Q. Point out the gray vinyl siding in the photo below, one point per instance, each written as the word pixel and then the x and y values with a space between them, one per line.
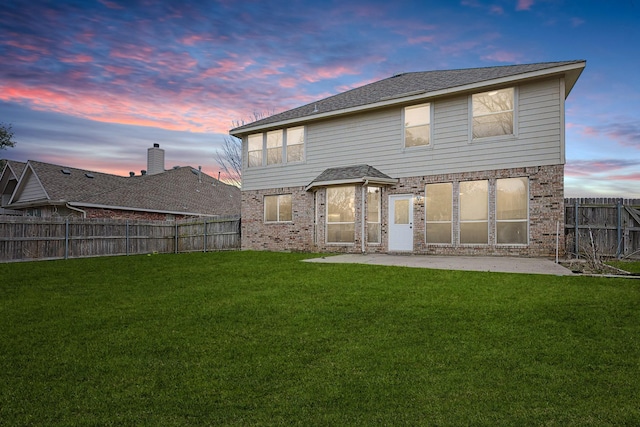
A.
pixel 375 138
pixel 32 190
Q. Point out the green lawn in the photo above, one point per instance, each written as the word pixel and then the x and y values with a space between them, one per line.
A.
pixel 252 338
pixel 630 266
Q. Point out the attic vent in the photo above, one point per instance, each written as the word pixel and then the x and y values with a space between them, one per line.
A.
pixel 88 175
pixel 66 171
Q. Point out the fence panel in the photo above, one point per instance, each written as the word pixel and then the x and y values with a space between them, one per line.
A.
pixel 32 238
pixel 603 226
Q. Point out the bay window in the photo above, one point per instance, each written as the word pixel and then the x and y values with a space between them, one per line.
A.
pixel 341 214
pixel 373 214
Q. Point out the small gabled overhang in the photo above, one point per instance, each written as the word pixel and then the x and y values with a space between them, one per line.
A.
pixel 28 175
pixel 351 175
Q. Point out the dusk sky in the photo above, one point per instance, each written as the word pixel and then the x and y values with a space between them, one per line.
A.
pixel 94 84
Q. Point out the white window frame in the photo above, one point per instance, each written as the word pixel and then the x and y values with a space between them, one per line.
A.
pixel 514 111
pixel 461 221
pixel 450 222
pixel 278 204
pixel 280 147
pixel 249 165
pixel 379 221
pixel 429 105
pixel 264 151
pixel 285 156
pixel 327 222
pixel 497 221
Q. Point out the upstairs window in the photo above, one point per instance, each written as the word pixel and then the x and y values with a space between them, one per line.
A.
pixel 417 125
pixel 274 147
pixel 493 113
pixel 255 150
pixel 295 144
pixel 277 208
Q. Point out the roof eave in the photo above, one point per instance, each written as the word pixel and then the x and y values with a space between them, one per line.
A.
pixel 363 180
pixel 572 71
pixel 130 208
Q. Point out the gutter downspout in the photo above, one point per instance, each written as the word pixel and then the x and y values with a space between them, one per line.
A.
pixel 362 236
pixel 84 213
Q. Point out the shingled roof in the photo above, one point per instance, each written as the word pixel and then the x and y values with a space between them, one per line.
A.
pixel 414 84
pixel 182 190
pixel 351 175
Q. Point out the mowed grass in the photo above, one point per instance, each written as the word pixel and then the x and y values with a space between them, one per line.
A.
pixel 256 338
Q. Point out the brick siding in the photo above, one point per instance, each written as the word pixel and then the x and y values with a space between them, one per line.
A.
pixel 306 233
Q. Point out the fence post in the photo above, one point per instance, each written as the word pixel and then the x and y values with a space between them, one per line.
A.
pixel 204 244
pixel 577 230
pixel 126 240
pixel 176 239
pixel 619 246
pixel 66 239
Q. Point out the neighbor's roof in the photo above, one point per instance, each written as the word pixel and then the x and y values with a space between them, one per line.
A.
pixel 351 175
pixel 182 190
pixel 414 86
pixel 16 167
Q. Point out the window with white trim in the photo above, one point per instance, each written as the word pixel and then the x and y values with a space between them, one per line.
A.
pixel 474 212
pixel 341 214
pixel 254 150
pixel 493 113
pixel 512 211
pixel 373 214
pixel 439 212
pixel 417 125
pixel 277 208
pixel 295 144
pixel 274 147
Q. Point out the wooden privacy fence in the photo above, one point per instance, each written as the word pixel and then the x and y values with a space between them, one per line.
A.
pixel 603 227
pixel 30 238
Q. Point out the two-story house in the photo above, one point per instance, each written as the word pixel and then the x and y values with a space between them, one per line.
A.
pixel 455 162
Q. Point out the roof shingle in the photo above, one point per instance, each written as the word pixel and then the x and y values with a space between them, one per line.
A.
pixel 400 86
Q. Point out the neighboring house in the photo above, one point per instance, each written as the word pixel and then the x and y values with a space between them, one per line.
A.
pixel 44 189
pixel 9 177
pixel 458 162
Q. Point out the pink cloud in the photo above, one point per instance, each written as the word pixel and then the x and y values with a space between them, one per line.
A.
pixel 421 39
pixel 524 4
pixel 503 56
pixel 76 59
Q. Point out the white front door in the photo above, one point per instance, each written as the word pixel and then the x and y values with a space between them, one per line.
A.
pixel 401 223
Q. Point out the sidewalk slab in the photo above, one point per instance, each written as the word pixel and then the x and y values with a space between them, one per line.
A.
pixel 469 263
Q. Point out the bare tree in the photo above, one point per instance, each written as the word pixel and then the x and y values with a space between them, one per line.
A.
pixel 230 156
